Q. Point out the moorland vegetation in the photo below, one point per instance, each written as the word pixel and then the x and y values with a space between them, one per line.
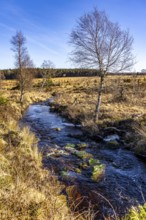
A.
pixel 27 190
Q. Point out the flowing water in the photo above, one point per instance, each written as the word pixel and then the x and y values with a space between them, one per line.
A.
pixel 124 181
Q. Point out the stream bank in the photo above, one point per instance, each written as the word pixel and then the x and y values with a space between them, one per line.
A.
pixel 74 157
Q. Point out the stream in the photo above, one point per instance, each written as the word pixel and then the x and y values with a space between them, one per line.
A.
pixel 123 182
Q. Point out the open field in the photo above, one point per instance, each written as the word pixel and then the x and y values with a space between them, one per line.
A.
pixel 123 97
pixel 122 107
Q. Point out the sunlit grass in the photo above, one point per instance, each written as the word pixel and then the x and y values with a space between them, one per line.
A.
pixel 27 191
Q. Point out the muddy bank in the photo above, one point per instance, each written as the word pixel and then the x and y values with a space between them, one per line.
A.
pixel 76 159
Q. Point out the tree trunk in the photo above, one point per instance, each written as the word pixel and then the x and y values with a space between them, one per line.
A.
pixel 97 110
pixel 43 83
pixel 21 95
pixel 44 77
pixel 22 90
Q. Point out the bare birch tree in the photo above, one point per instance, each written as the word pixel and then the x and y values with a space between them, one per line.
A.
pixel 23 63
pixel 99 43
pixel 48 70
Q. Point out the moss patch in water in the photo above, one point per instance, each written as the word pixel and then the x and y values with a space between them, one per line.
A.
pixel 65 175
pixel 82 146
pixel 98 172
pixel 69 145
pixel 113 144
pixel 93 161
pixel 77 170
pixel 83 154
pixel 83 165
pixel 136 213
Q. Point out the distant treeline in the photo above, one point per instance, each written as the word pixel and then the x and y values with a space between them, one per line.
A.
pixel 39 73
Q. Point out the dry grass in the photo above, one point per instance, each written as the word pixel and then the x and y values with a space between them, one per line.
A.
pixel 123 97
pixel 123 103
pixel 29 192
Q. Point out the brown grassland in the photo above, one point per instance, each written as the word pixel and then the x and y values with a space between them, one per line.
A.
pixel 27 191
pixel 123 97
pixel 122 106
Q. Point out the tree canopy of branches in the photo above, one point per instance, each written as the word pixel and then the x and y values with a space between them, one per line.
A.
pixel 23 62
pixel 99 43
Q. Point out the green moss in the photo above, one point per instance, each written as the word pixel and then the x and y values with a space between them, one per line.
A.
pixel 77 170
pixel 82 145
pixel 93 161
pixel 136 213
pixel 98 171
pixel 3 100
pixel 64 174
pixel 83 165
pixel 83 154
pixel 70 145
pixel 113 144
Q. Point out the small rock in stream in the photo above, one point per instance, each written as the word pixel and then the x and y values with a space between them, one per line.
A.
pixel 57 129
pixel 57 153
pixel 113 137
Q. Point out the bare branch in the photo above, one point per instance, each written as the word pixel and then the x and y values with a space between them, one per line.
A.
pixel 100 43
pixel 22 62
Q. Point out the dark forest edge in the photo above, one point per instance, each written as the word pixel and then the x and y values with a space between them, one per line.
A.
pixel 57 72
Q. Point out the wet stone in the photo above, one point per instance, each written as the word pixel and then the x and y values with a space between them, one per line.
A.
pixel 57 129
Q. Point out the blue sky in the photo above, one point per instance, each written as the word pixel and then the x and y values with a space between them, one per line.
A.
pixel 47 25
